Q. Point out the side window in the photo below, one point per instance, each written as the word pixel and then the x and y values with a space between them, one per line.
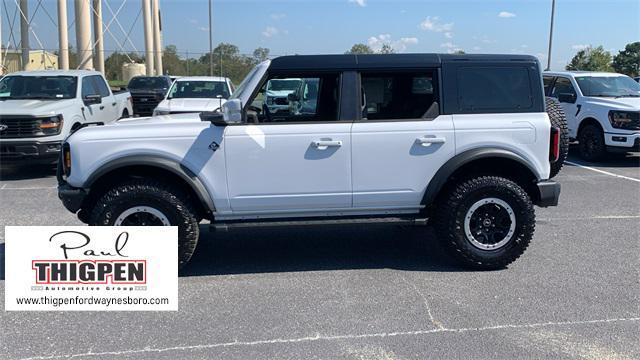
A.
pixel 102 88
pixel 88 86
pixel 297 98
pixel 405 95
pixel 547 81
pixel 494 89
pixel 563 86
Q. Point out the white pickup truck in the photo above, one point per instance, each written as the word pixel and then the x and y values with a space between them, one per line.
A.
pixel 195 94
pixel 39 109
pixel 602 109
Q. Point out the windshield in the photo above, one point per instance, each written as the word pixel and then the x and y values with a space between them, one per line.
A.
pixel 283 85
pixel 608 86
pixel 147 83
pixel 199 89
pixel 38 87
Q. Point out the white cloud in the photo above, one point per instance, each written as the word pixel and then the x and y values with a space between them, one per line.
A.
pixel 277 17
pixel 579 46
pixel 434 24
pixel 376 42
pixel 451 47
pixel 448 35
pixel 270 31
pixel 193 21
pixel 506 14
pixel 203 28
pixel 361 3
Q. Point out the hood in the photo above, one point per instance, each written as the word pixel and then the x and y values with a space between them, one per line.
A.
pixel 622 103
pixel 33 106
pixel 279 93
pixel 195 105
pixel 159 127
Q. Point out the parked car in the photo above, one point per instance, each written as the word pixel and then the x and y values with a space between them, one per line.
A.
pixel 276 94
pixel 39 109
pixel 194 94
pixel 147 92
pixel 472 154
pixel 602 109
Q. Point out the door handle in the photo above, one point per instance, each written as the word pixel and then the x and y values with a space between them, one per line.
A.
pixel 113 104
pixel 101 107
pixel 324 144
pixel 427 141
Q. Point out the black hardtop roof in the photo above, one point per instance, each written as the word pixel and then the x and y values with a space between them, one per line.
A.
pixel 378 61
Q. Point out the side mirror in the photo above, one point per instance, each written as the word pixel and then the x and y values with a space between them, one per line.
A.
pixel 293 97
pixel 92 99
pixel 567 98
pixel 214 117
pixel 232 111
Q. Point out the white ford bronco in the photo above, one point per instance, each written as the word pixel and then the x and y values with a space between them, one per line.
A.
pixel 461 140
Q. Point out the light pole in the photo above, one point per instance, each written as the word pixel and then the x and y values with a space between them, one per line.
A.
pixel 210 43
pixel 553 10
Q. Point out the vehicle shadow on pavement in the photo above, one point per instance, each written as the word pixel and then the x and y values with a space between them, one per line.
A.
pixel 612 160
pixel 25 172
pixel 318 248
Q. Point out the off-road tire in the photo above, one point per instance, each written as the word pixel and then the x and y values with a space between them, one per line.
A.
pixel 453 208
pixel 591 143
pixel 171 202
pixel 558 120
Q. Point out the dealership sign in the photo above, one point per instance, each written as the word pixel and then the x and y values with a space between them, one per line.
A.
pixel 96 268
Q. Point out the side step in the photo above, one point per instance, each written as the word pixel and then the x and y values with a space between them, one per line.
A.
pixel 243 224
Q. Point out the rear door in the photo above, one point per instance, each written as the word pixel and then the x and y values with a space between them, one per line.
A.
pixel 399 139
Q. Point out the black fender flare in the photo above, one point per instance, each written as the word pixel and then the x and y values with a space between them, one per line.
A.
pixel 172 166
pixel 442 175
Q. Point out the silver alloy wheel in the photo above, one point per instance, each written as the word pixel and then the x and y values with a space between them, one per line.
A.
pixel 142 216
pixel 489 224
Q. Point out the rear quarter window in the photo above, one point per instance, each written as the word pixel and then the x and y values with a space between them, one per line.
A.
pixel 499 89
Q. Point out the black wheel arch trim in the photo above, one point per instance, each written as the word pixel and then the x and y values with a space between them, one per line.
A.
pixel 172 166
pixel 442 175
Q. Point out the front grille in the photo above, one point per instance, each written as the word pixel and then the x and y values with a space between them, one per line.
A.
pixel 20 127
pixel 281 101
pixel 145 103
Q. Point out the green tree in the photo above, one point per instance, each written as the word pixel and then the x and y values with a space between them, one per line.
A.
pixel 172 64
pixel 459 52
pixel 387 49
pixel 261 54
pixel 591 59
pixel 628 60
pixel 113 64
pixel 360 49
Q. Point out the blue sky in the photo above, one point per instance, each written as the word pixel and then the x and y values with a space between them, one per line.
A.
pixel 333 26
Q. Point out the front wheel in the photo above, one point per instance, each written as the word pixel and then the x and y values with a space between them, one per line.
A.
pixel 149 203
pixel 591 143
pixel 486 222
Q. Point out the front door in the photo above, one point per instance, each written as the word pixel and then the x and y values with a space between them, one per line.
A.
pixel 400 142
pixel 294 160
pixel 563 86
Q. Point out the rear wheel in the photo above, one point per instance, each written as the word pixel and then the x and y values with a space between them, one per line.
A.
pixel 486 222
pixel 591 143
pixel 558 120
pixel 147 202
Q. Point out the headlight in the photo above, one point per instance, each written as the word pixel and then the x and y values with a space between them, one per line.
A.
pixel 270 101
pixel 157 112
pixel 625 120
pixel 51 125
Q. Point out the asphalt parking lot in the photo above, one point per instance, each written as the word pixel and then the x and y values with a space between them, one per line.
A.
pixel 368 292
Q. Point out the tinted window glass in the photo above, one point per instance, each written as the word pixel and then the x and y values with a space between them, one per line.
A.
pixel 297 99
pixel 32 87
pixel 608 86
pixel 199 89
pixel 406 95
pixel 88 86
pixel 563 86
pixel 547 81
pixel 149 83
pixel 494 88
pixel 102 88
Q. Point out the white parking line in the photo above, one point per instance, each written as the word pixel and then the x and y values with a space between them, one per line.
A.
pixel 602 171
pixel 319 337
